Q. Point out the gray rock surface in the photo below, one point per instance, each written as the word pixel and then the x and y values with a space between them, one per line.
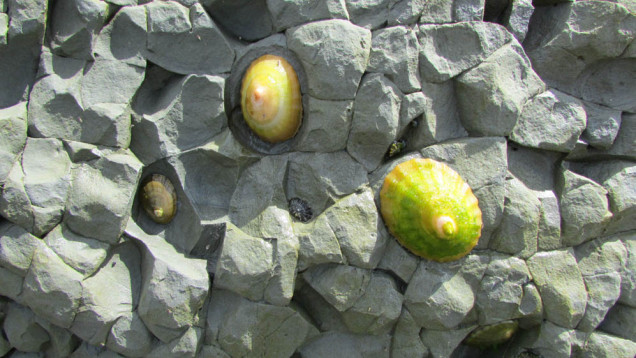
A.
pixel 330 344
pixel 491 96
pixel 517 18
pixel 52 289
pixel 340 285
pixel 376 115
pixel 326 125
pixel 584 207
pixel 602 125
pixel 176 114
pixel 184 346
pixel 394 52
pixel 399 261
pixel 501 290
pixel 287 13
pixel 334 54
pixel 370 14
pixel 600 344
pixel 185 40
pixel 406 340
pixel 46 183
pixel 551 120
pixel 405 12
pixel 74 25
pixel 358 228
pixel 242 327
pixel 618 178
pixel 101 196
pixel 437 12
pixel 245 264
pixel 83 254
pixel 377 310
pixel 17 248
pixel 438 297
pixel 22 330
pixel 619 322
pixel 322 179
pixel 10 284
pixel 561 285
pixel 475 41
pixel 518 232
pixel 317 244
pixel 260 186
pixel 78 100
pixel 99 310
pixel 129 336
pixel 440 118
pixel 628 274
pixel 124 37
pixel 574 55
pixel 13 129
pixel 443 343
pixel 164 271
pixel 248 20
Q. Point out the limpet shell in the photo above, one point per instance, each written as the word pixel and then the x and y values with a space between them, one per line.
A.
pixel 492 335
pixel 271 101
pixel 431 210
pixel 159 198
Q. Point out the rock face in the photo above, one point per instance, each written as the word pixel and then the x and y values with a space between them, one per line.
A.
pixel 280 249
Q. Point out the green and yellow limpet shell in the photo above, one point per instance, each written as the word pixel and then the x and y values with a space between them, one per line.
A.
pixel 431 210
pixel 492 335
pixel 271 101
pixel 159 198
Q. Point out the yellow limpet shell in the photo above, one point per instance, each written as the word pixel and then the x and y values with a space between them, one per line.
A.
pixel 492 335
pixel 159 199
pixel 431 210
pixel 271 101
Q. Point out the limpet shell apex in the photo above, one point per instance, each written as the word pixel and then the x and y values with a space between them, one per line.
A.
pixel 158 198
pixel 271 101
pixel 431 210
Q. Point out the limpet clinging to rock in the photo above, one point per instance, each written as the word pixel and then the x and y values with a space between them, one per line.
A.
pixel 431 210
pixel 271 101
pixel 492 335
pixel 299 209
pixel 158 198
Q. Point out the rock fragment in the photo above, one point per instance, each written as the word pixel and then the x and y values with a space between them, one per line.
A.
pixel 551 120
pixel 375 120
pixel 101 196
pixel 491 95
pixel 185 40
pixel 465 45
pixel 561 285
pixel 334 54
pixel 173 287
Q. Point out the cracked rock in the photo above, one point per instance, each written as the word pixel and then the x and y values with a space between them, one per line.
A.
pixel 561 285
pixel 186 40
pixel 173 286
pixel 101 196
pixel 334 54
pixel 52 289
pixel 448 50
pixel 551 120
pixel 491 95
pixel 13 130
pixel 245 264
pixel 242 327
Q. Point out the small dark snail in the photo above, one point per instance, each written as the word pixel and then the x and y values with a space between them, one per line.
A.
pixel 299 209
pixel 431 210
pixel 159 198
pixel 271 101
